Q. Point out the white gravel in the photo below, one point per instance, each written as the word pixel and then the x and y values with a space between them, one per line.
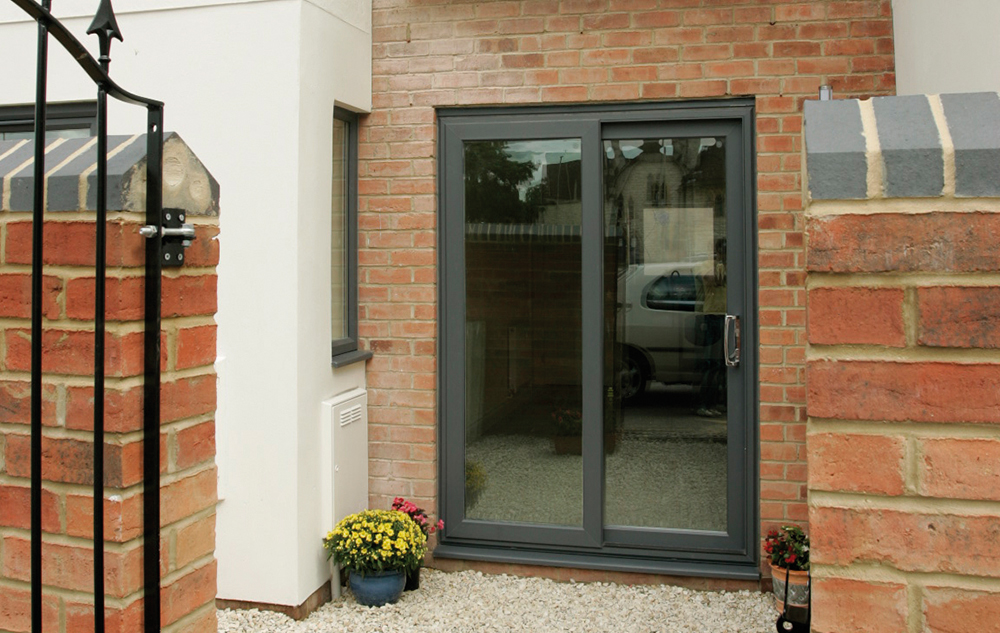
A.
pixel 474 602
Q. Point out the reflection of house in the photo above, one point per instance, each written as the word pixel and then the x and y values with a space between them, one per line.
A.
pixel 429 62
pixel 666 196
pixel 561 179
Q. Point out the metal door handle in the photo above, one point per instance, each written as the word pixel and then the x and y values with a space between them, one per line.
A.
pixel 732 323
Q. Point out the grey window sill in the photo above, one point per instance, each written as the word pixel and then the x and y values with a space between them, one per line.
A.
pixel 349 358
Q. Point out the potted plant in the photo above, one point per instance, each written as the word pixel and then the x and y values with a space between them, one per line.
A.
pixel 420 517
pixel 475 482
pixel 377 547
pixel 568 439
pixel 569 430
pixel 787 549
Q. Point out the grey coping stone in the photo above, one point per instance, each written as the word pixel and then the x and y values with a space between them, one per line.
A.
pixel 63 193
pixel 974 123
pixel 22 184
pixel 6 146
pixel 835 148
pixel 64 184
pixel 9 164
pixel 911 147
pixel 119 166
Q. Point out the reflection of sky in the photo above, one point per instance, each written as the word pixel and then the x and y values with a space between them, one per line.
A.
pixel 631 148
pixel 554 151
pixel 540 153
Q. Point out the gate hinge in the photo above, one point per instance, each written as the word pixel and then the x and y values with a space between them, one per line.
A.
pixel 175 234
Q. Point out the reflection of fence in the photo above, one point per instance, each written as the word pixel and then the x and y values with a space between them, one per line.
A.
pixel 105 26
pixel 489 232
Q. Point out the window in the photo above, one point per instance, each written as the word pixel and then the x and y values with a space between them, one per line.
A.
pixel 63 120
pixel 589 259
pixel 344 241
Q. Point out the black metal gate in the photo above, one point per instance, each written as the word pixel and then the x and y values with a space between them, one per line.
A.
pixel 105 27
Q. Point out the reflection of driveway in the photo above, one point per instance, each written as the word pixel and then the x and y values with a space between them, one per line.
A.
pixel 667 412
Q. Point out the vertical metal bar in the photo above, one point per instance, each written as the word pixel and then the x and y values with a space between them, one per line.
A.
pixel 38 215
pixel 151 374
pixel 100 275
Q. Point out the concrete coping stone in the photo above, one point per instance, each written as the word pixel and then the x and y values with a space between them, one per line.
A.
pixel 914 146
pixel 71 176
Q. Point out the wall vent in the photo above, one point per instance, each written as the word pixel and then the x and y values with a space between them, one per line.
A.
pixel 344 472
pixel 351 414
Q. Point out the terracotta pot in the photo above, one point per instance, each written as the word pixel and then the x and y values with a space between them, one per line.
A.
pixel 798 587
pixel 568 444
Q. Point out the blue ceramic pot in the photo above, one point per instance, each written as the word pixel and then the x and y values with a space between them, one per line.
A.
pixel 377 588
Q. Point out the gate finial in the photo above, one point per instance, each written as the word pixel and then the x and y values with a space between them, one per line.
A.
pixel 106 27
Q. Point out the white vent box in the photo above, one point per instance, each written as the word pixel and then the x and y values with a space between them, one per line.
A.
pixel 344 486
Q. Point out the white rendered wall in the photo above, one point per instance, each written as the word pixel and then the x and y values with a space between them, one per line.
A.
pixel 250 85
pixel 328 46
pixel 946 46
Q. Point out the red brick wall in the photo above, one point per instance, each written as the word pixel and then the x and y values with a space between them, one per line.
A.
pixel 445 53
pixel 904 413
pixel 187 440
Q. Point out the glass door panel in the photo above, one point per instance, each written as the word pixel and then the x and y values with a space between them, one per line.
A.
pixel 665 213
pixel 523 394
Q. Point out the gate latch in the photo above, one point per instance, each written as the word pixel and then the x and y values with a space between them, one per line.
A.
pixel 175 234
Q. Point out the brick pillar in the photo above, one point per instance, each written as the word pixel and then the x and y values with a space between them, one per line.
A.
pixel 903 370
pixel 187 440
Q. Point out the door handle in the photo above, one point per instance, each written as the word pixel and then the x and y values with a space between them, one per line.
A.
pixel 732 356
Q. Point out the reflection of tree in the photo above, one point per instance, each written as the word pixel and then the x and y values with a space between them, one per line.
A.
pixel 492 178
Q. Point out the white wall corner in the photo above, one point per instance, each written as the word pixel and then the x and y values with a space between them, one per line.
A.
pixel 329 35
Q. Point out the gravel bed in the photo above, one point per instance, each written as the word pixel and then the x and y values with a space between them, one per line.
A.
pixel 468 601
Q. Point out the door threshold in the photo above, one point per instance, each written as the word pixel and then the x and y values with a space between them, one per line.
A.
pixel 743 570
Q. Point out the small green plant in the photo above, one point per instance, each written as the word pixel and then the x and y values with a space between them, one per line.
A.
pixel 568 421
pixel 475 479
pixel 788 547
pixel 376 540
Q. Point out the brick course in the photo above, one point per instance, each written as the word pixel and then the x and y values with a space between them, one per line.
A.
pixel 443 54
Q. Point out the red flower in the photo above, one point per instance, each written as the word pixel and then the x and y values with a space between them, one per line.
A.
pixel 790 558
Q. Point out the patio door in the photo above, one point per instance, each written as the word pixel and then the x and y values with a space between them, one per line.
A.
pixel 597 321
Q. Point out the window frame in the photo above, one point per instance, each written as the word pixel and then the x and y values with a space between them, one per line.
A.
pixel 695 553
pixel 72 115
pixel 345 350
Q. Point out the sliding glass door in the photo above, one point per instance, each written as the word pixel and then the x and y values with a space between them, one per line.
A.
pixel 597 321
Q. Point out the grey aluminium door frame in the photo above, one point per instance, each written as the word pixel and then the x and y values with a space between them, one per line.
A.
pixel 729 554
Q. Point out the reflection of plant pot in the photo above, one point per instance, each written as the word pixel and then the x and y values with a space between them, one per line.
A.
pixel 475 482
pixel 610 443
pixel 568 444
pixel 573 444
pixel 797 590
pixel 412 580
pixel 377 588
pixel 472 496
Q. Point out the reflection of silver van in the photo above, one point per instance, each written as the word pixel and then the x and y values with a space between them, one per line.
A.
pixel 666 335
